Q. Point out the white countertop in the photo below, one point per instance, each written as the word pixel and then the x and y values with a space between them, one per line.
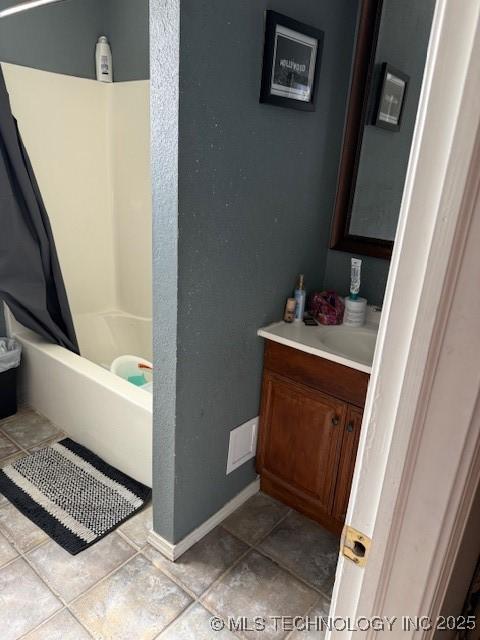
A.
pixel 351 346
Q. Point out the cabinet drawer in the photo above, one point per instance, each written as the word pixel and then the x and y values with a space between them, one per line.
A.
pixel 329 377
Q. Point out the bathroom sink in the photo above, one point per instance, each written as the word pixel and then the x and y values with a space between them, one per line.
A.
pixel 354 343
pixel 351 346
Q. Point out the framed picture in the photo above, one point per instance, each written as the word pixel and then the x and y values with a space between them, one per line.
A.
pixel 291 62
pixel 391 98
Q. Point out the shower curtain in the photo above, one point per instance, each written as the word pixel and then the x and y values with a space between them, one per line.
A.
pixel 31 281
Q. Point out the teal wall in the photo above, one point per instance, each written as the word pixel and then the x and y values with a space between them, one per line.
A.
pixel 374 275
pixel 256 186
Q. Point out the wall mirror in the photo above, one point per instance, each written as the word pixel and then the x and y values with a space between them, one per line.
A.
pixel 387 72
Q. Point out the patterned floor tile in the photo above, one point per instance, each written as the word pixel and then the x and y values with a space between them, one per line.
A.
pixel 7 448
pixel 257 587
pixel 25 601
pixel 137 601
pixel 257 517
pixel 306 548
pixel 7 552
pixel 4 463
pixel 62 626
pixel 119 595
pixel 69 576
pixel 194 624
pixel 201 565
pixel 28 429
pixel 313 627
pixel 21 532
pixel 138 528
pixel 60 436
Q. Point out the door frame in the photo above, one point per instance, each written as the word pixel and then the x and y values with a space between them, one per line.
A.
pixel 415 475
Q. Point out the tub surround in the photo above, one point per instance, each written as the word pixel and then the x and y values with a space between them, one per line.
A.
pixel 106 336
pixel 95 182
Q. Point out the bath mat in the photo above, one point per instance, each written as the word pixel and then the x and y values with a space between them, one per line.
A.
pixel 72 494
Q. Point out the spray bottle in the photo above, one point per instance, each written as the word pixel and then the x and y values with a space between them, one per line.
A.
pixel 300 297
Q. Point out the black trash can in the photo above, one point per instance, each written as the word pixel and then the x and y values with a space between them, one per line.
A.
pixel 10 352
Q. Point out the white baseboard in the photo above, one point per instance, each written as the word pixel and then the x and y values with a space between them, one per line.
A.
pixel 174 551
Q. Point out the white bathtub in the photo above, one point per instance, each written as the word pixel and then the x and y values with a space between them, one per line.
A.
pixel 105 336
pixel 110 416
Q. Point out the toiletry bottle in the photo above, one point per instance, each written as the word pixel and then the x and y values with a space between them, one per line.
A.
pixel 289 315
pixel 355 278
pixel 355 307
pixel 300 297
pixel 103 59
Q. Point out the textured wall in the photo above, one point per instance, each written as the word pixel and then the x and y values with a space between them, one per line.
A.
pixel 256 189
pixel 403 42
pixel 164 60
pixel 374 275
pixel 125 22
pixel 62 37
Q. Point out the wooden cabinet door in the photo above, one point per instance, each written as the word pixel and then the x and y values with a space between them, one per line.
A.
pixel 351 434
pixel 301 434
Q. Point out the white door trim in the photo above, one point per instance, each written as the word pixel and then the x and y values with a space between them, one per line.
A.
pixel 409 504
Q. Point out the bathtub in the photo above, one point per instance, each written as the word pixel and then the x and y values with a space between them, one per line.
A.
pixel 110 416
pixel 105 336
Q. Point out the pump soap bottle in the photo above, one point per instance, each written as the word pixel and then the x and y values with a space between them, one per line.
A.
pixel 300 297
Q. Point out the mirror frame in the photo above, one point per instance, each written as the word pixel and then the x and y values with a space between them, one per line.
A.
pixel 370 12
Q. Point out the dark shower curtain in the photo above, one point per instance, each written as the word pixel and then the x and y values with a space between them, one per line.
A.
pixel 31 280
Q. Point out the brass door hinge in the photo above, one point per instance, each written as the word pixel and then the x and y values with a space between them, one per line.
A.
pixel 355 546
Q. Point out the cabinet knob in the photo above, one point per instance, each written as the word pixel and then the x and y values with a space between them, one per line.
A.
pixel 335 420
pixel 350 427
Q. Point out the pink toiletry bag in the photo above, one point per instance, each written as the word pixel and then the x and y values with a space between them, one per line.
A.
pixel 327 307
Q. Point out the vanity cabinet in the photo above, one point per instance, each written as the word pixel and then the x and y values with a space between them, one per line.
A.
pixel 310 420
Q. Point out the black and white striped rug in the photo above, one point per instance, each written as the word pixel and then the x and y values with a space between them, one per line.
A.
pixel 72 494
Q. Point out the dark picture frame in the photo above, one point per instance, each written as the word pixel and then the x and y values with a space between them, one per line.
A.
pixel 292 58
pixel 391 98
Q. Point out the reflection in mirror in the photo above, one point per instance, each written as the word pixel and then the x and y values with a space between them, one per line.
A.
pixel 387 73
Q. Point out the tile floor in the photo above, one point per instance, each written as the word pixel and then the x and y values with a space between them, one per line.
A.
pixel 264 560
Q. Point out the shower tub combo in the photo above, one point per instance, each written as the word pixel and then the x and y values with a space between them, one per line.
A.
pixel 91 157
pixel 96 408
